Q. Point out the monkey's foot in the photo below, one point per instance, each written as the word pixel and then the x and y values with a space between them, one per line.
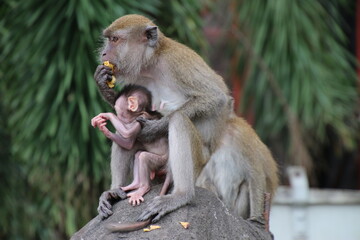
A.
pixel 105 199
pixel 162 205
pixel 135 201
pixel 136 197
pixel 132 186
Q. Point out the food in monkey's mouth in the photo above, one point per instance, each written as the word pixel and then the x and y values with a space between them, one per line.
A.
pixel 111 84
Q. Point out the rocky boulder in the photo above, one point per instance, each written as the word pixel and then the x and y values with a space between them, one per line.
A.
pixel 207 215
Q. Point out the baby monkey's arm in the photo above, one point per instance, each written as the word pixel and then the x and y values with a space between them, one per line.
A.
pixel 130 131
pixel 125 137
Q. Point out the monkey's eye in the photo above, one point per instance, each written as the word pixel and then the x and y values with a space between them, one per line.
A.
pixel 114 39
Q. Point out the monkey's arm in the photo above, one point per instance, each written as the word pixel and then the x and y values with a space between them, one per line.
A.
pixel 198 106
pixel 126 143
pixel 102 75
pixel 184 142
pixel 204 105
pixel 127 132
pixel 120 168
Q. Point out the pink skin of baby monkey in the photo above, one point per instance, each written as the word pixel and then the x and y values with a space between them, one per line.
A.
pixel 155 154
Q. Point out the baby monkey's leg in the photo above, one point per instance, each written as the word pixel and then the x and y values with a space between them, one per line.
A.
pixel 147 162
pixel 136 180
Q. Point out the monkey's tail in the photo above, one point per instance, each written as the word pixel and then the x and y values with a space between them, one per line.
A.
pixel 127 227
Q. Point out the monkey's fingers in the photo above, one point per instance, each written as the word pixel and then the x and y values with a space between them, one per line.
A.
pixel 142 120
pixel 117 193
pixel 104 210
pixel 102 72
pixel 111 83
pixel 96 121
pixel 99 117
pixel 103 75
pixel 162 205
pixel 152 209
pixel 104 202
pixel 139 200
pixel 102 126
pixel 104 213
pixel 153 129
pixel 136 201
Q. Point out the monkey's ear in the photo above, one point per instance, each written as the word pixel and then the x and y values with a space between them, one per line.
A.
pixel 151 34
pixel 133 103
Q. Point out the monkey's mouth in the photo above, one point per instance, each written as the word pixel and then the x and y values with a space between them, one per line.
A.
pixel 115 69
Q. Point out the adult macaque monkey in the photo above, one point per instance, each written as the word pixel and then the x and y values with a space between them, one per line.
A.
pixel 206 139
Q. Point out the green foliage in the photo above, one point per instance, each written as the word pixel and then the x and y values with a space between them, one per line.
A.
pixel 57 165
pixel 303 46
pixel 183 13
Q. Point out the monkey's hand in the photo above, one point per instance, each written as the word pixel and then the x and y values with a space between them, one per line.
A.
pixel 107 198
pixel 103 75
pixel 152 129
pixel 97 121
pixel 162 205
pixel 106 131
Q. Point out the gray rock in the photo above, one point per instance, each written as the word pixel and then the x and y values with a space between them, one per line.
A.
pixel 207 215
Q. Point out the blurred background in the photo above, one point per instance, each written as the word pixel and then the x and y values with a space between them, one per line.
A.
pixel 291 67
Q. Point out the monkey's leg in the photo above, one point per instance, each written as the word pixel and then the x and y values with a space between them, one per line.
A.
pixel 120 168
pixel 225 177
pixel 121 160
pixel 166 185
pixel 136 179
pixel 236 171
pixel 147 162
pixel 184 148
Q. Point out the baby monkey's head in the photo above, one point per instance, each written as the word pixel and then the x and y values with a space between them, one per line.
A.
pixel 133 98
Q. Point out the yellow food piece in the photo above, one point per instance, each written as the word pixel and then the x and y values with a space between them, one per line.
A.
pixel 152 227
pixel 111 84
pixel 108 64
pixel 185 224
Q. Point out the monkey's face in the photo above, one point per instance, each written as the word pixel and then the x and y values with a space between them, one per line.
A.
pixel 113 49
pixel 129 48
pixel 121 105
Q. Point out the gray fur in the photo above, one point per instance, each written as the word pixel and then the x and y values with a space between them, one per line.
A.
pixel 205 136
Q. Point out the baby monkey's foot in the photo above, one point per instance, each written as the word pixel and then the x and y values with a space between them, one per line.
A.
pixel 136 197
pixel 131 186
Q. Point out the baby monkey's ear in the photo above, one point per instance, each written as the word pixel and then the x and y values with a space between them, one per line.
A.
pixel 133 103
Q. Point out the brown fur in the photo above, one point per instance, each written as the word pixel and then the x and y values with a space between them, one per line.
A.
pixel 206 139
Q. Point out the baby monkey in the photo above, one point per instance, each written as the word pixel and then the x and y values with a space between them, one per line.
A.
pixel 132 102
